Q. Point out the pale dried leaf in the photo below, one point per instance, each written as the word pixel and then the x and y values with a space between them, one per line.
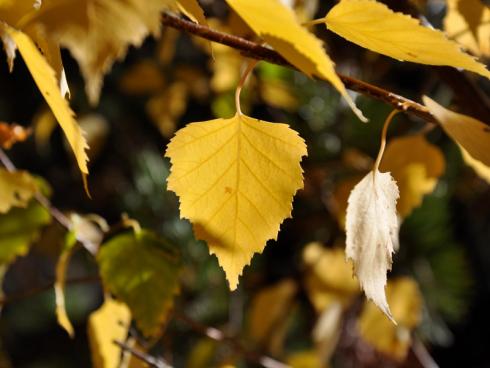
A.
pixel 372 233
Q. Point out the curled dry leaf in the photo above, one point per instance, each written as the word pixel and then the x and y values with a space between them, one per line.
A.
pixel 11 134
pixel 372 233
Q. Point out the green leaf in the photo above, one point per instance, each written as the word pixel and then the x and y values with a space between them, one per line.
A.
pixel 142 270
pixel 19 228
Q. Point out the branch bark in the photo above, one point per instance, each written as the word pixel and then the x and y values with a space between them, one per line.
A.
pixel 256 51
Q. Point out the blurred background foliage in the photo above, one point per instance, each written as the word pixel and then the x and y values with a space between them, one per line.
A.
pixel 282 297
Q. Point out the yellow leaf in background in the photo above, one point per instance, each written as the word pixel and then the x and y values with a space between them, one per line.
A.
pixel 235 179
pixel 279 27
pixel 16 189
pixel 406 305
pixel 108 323
pixel 482 170
pixel 468 23
pixel 99 32
pixel 268 329
pixel 372 233
pixel 374 26
pixel 305 359
pixel 279 94
pixel 326 332
pixel 337 201
pixel 44 77
pixel 416 166
pixel 328 277
pixel 145 77
pixel 468 132
pixel 59 285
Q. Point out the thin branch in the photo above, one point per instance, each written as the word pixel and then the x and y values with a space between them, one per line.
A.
pixel 255 50
pixel 14 297
pixel 146 358
pixel 220 336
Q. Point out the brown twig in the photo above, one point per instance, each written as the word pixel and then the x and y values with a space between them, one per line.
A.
pixel 218 335
pixel 146 358
pixel 257 51
pixel 13 297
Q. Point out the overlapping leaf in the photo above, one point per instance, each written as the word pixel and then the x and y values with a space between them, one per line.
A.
pixel 279 27
pixel 143 271
pixel 374 26
pixel 236 179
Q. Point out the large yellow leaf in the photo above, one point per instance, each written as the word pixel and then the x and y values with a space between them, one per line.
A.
pixel 416 165
pixel 481 169
pixel 236 179
pixel 374 26
pixel 468 132
pixel 16 189
pixel 279 27
pixel 406 304
pixel 468 22
pixel 98 32
pixel 44 77
pixel 107 324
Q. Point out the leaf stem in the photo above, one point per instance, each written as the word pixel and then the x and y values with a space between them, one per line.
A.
pixel 250 66
pixel 314 22
pixel 383 140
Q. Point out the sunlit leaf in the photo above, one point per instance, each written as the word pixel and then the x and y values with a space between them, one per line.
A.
pixel 468 132
pixel 107 324
pixel 406 305
pixel 16 189
pixel 294 42
pixel 374 26
pixel 236 179
pixel 372 233
pixel 99 32
pixel 45 79
pixel 482 170
pixel 416 166
pixel 142 270
pixel 11 134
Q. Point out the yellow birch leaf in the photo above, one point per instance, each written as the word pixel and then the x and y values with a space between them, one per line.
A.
pixel 278 26
pixel 482 170
pixel 468 132
pixel 468 23
pixel 45 79
pixel 305 359
pixel 16 189
pixel 406 305
pixel 108 323
pixel 236 179
pixel 374 26
pixel 99 32
pixel 416 165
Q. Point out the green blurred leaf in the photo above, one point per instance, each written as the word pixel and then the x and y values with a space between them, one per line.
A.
pixel 19 228
pixel 142 270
